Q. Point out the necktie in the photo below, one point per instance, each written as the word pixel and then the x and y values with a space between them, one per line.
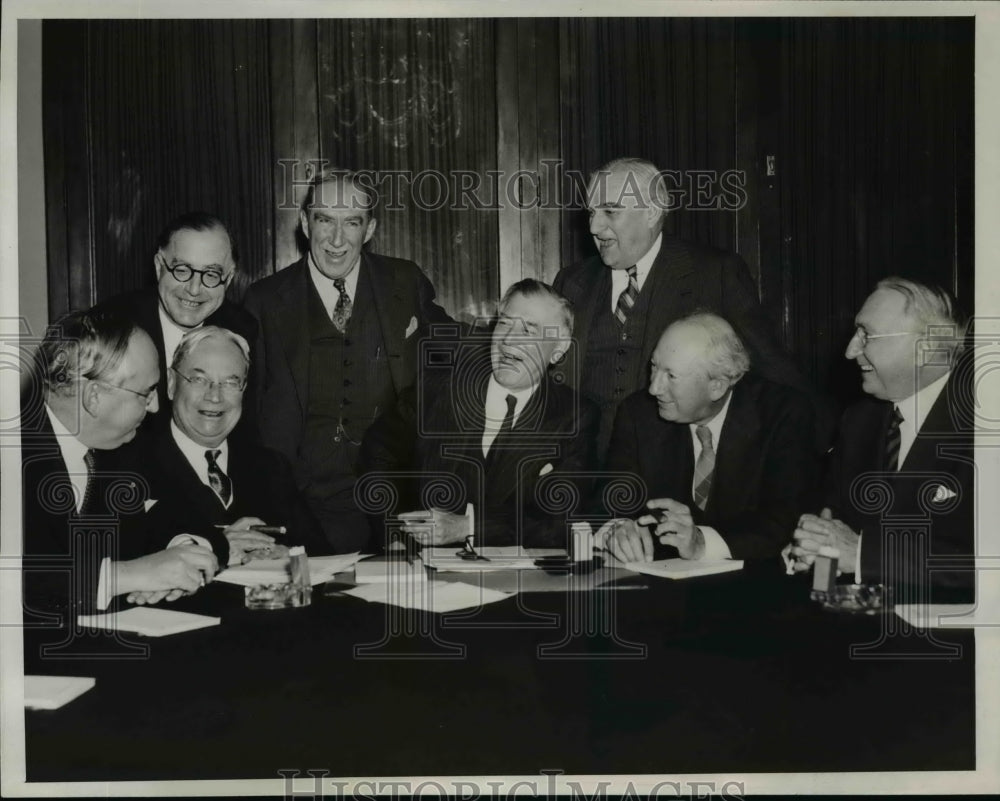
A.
pixel 219 482
pixel 626 300
pixel 705 467
pixel 88 492
pixel 342 311
pixel 505 426
pixel 892 441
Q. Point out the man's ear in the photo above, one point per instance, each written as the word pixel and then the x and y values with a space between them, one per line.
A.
pixel 171 383
pixel 370 230
pixel 160 261
pixel 718 387
pixel 304 223
pixel 90 398
pixel 559 353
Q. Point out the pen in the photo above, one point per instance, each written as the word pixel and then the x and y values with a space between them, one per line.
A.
pixel 260 529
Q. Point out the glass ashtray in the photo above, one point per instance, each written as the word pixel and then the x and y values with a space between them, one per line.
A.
pixel 858 599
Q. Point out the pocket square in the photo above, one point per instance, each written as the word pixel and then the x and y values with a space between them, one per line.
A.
pixel 411 328
pixel 546 469
pixel 942 493
pixel 148 504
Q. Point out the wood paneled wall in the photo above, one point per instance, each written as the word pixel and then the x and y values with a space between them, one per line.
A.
pixel 850 141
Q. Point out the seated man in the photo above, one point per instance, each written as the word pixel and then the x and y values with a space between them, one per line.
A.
pixel 210 486
pixel 498 424
pixel 905 453
pixel 98 377
pixel 726 456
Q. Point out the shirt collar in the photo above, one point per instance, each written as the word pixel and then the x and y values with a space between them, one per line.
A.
pixel 715 424
pixel 195 453
pixel 496 396
pixel 70 447
pixel 324 285
pixel 915 408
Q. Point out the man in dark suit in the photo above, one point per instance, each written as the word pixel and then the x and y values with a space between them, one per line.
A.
pixel 900 494
pixel 207 486
pixel 490 431
pixel 641 281
pixel 337 344
pixel 195 263
pixel 96 380
pixel 726 456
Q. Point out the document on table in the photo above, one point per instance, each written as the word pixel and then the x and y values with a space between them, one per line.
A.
pixel 149 621
pixel 382 570
pixel 275 571
pixel 684 568
pixel 52 692
pixel 942 616
pixel 431 596
pixel 498 557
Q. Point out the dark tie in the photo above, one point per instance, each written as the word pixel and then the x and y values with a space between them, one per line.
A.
pixel 88 492
pixel 626 300
pixel 217 480
pixel 705 467
pixel 505 427
pixel 342 311
pixel 892 441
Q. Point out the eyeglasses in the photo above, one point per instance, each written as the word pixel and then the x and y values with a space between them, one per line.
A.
pixel 146 396
pixel 864 337
pixel 228 386
pixel 210 279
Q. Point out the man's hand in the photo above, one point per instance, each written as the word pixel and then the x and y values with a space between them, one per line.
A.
pixel 436 527
pixel 246 544
pixel 674 526
pixel 141 598
pixel 625 541
pixel 814 532
pixel 183 567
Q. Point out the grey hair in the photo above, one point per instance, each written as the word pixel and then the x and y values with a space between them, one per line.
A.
pixel 646 175
pixel 726 356
pixel 361 181
pixel 531 287
pixel 192 339
pixel 932 306
pixel 83 344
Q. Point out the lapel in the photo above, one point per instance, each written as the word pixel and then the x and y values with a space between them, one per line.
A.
pixel 390 308
pixel 672 265
pixel 147 315
pixel 738 447
pixel 938 428
pixel 198 500
pixel 292 324
pixel 594 283
pixel 668 459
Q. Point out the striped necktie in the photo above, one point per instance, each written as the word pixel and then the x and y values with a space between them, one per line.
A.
pixel 892 441
pixel 705 467
pixel 626 300
pixel 342 311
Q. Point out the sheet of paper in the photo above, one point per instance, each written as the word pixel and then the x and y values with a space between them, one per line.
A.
pixel 52 692
pixel 431 596
pixel 942 616
pixel 684 568
pixel 506 557
pixel 381 570
pixel 275 571
pixel 149 621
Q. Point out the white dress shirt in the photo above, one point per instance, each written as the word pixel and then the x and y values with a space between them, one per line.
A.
pixel 496 409
pixel 715 545
pixel 327 291
pixel 619 278
pixel 195 455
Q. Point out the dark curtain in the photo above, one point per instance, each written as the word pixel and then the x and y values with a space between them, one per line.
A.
pixel 175 117
pixel 418 96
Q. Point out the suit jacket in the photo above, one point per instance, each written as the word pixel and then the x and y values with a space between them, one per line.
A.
pixel 765 468
pixel 63 549
pixel 934 489
pixel 262 487
pixel 143 307
pixel 686 276
pixel 403 296
pixel 440 436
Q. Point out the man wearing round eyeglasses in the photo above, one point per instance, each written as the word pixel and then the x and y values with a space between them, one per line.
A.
pixel 210 488
pixel 195 263
pixel 904 454
pixel 96 380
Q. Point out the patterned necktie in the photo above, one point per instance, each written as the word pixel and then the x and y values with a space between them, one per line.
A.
pixel 892 440
pixel 505 426
pixel 626 300
pixel 342 311
pixel 88 492
pixel 219 482
pixel 705 467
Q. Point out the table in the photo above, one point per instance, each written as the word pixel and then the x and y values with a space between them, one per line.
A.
pixel 732 673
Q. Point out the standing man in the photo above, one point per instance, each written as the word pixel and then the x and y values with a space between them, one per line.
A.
pixel 498 424
pixel 722 453
pixel 338 343
pixel 194 264
pixel 98 377
pixel 641 281
pixel 905 453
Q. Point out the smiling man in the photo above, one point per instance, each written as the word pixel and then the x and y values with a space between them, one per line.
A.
pixel 642 280
pixel 492 430
pixel 194 264
pixel 338 343
pixel 900 491
pixel 721 452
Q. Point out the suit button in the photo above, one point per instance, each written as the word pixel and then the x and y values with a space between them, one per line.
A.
pixel 621 351
pixel 336 438
pixel 624 336
pixel 345 402
pixel 620 368
pixel 618 391
pixel 348 363
pixel 347 382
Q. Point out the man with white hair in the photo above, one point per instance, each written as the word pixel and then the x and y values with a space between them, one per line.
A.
pixel 726 457
pixel 904 455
